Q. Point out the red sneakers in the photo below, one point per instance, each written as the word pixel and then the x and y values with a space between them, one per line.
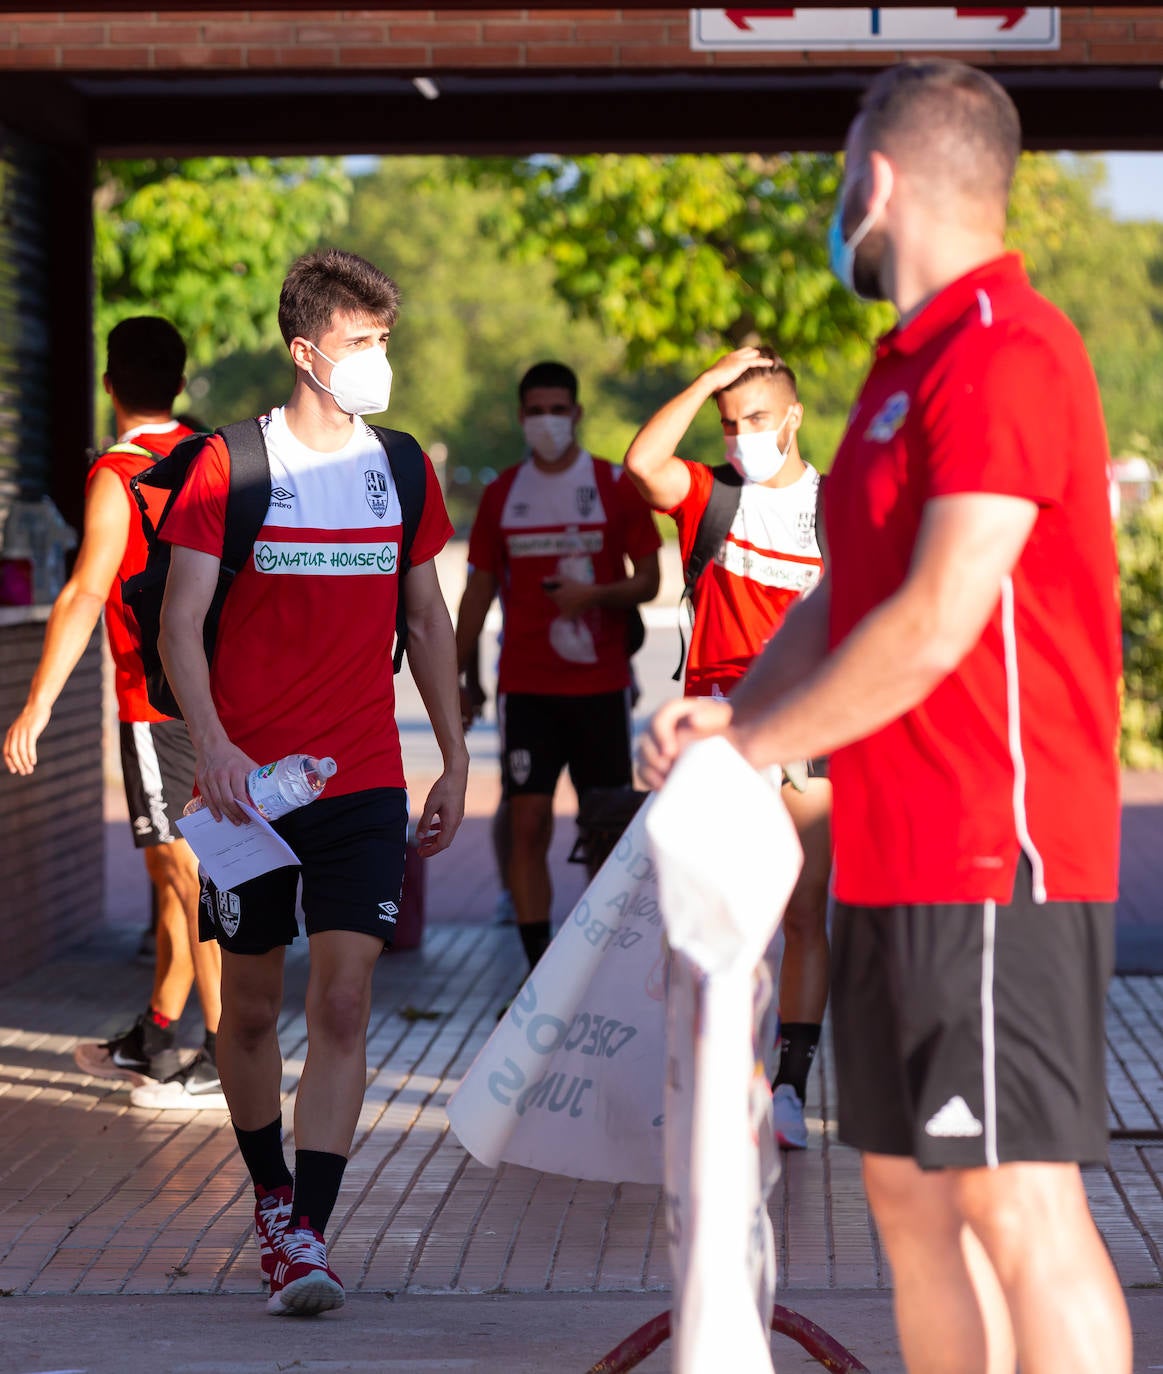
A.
pixel 272 1216
pixel 301 1284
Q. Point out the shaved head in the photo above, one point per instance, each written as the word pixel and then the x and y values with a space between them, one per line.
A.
pixel 951 128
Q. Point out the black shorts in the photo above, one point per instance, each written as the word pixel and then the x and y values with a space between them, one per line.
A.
pixel 351 860
pixel 541 735
pixel 973 1034
pixel 157 763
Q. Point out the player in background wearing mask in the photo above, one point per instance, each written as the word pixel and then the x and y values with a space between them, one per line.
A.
pixel 770 557
pixel 552 538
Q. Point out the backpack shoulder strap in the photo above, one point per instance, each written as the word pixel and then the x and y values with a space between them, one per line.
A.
pixel 410 474
pixel 714 524
pixel 249 497
pixel 713 527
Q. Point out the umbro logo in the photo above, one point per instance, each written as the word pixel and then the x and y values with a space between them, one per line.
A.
pixel 282 498
pixel 389 911
pixel 954 1119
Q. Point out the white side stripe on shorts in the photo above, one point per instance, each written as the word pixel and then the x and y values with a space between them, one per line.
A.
pixel 1017 757
pixel 151 779
pixel 988 1041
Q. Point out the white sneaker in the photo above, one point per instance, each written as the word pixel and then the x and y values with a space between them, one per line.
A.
pixel 787 1111
pixel 195 1088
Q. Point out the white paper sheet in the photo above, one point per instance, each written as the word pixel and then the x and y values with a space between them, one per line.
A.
pixel 233 854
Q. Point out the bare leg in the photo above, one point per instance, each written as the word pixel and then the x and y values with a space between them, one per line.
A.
pixel 338 1007
pixel 174 871
pixel 250 1063
pixel 950 1312
pixel 173 975
pixel 1064 1298
pixel 531 829
pixel 803 975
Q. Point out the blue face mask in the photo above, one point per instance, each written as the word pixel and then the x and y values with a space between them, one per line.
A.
pixel 842 251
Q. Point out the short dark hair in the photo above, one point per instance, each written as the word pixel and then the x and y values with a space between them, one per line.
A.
pixel 330 280
pixel 956 122
pixel 548 374
pixel 145 362
pixel 766 374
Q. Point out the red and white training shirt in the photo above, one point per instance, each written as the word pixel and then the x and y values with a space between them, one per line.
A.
pixel 769 559
pixel 133 702
pixel 303 660
pixel 988 389
pixel 580 524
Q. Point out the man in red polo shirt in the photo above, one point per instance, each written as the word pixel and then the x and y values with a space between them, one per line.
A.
pixel 960 664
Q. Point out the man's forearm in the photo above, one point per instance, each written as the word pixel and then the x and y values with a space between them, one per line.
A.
pixel 432 657
pixel 655 443
pixel 183 656
pixel 470 622
pixel 70 626
pixel 885 667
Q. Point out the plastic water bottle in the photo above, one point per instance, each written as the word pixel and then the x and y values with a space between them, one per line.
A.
pixel 277 788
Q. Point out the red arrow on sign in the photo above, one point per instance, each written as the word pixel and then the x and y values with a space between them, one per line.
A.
pixel 1011 16
pixel 740 17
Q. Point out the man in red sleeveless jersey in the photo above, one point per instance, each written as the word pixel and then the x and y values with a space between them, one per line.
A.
pixel 146 362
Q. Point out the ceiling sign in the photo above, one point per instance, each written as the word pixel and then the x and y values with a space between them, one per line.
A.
pixel 883 27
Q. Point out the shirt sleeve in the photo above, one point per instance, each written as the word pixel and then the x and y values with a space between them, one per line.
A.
pixel 999 422
pixel 485 546
pixel 197 519
pixel 435 528
pixel 640 534
pixel 689 511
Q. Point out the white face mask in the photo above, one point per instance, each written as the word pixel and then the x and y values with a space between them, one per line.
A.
pixel 548 435
pixel 361 383
pixel 758 457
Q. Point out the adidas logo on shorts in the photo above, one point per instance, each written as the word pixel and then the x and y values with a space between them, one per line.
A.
pixel 954 1119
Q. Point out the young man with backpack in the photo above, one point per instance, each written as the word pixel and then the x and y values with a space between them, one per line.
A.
pixel 552 537
pixel 144 374
pixel 302 662
pixel 750 549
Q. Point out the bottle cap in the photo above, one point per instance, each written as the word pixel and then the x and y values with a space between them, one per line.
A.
pixel 326 767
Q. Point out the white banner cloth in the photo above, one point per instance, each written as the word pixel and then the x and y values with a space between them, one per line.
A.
pixel 726 870
pixel 570 1082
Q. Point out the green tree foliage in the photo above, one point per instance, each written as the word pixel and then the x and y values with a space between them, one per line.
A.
pixel 683 255
pixel 1108 277
pixel 1141 565
pixel 206 242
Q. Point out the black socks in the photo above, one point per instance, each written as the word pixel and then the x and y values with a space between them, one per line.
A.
pixel 535 938
pixel 317 1179
pixel 317 1174
pixel 798 1041
pixel 262 1153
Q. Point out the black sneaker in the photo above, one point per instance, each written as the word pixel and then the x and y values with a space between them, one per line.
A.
pixel 140 1054
pixel 197 1087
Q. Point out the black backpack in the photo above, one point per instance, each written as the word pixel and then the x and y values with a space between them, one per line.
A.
pixel 247 504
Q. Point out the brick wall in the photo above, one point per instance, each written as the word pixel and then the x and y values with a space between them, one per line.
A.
pixel 51 825
pixel 457 39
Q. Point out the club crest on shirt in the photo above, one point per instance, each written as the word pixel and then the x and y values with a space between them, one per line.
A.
pixel 587 499
pixel 806 528
pixel 889 418
pixel 229 912
pixel 376 491
pixel 520 765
